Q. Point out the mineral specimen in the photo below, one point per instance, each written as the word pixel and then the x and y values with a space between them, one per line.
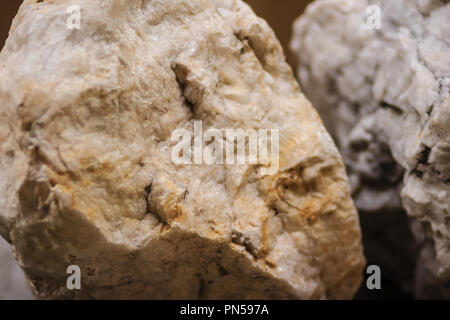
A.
pixel 86 176
pixel 379 74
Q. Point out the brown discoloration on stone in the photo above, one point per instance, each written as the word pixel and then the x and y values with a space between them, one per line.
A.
pixel 104 150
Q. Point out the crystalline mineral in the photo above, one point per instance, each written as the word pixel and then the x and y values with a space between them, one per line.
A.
pixel 379 74
pixel 87 178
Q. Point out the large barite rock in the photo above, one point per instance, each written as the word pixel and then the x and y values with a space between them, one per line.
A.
pixel 87 177
pixel 384 95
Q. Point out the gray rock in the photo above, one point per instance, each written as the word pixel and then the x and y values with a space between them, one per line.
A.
pixel 384 95
pixel 13 284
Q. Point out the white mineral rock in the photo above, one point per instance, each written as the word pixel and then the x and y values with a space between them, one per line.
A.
pixel 86 174
pixel 384 94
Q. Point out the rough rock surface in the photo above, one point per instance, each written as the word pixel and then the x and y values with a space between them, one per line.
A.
pixel 13 284
pixel 384 95
pixel 87 178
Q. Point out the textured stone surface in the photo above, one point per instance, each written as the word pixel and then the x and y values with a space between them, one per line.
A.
pixel 13 284
pixel 384 95
pixel 87 179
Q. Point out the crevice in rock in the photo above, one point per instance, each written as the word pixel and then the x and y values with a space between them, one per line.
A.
pixel 148 210
pixel 396 109
pixel 240 239
pixel 275 210
pixel 148 190
pixel 247 46
pixel 418 173
pixel 423 165
pixel 180 72
pixel 424 155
